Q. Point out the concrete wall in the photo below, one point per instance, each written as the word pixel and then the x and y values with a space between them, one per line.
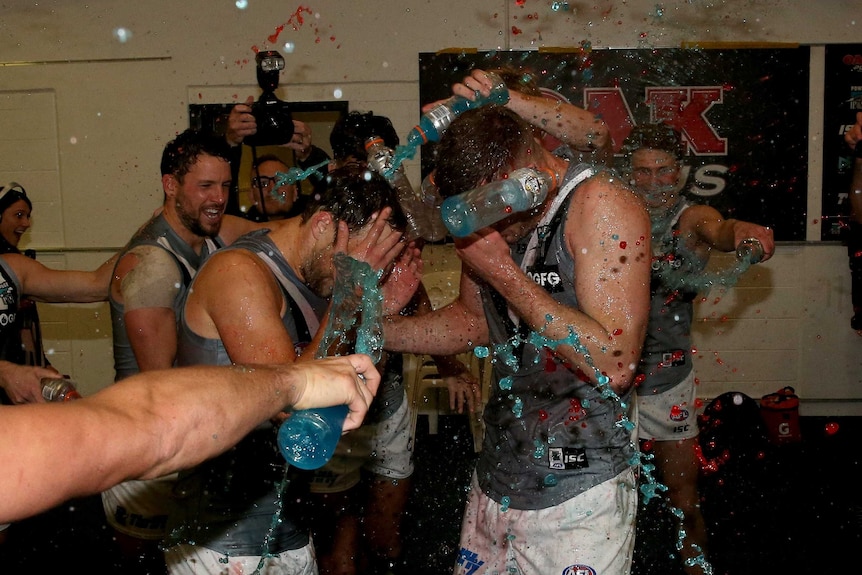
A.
pixel 84 116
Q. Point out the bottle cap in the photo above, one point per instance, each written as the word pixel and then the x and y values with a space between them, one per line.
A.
pixel 373 141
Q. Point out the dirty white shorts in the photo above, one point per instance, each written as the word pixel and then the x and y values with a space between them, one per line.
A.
pixel 591 533
pixel 382 448
pixel 140 508
pixel 669 416
pixel 186 559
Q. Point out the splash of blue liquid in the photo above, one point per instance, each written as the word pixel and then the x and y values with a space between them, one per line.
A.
pixel 357 309
pixel 295 174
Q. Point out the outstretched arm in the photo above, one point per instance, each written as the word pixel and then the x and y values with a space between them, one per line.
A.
pixel 159 422
pixel 42 283
pixel 703 229
pixel 573 126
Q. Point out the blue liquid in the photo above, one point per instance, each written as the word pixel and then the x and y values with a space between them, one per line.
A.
pixel 435 121
pixel 524 189
pixel 307 439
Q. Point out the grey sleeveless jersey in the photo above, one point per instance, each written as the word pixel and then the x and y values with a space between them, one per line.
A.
pixel 157 232
pixel 666 358
pixel 550 435
pixel 231 503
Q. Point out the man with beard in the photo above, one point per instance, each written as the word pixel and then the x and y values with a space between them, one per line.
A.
pixel 149 280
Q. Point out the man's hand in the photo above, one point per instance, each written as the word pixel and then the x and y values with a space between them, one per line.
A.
pixel 379 246
pixel 744 230
pixel 351 380
pixel 300 143
pixel 399 285
pixel 240 123
pixel 464 390
pixel 23 383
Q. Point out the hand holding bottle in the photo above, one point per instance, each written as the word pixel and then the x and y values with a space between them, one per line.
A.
pixel 472 93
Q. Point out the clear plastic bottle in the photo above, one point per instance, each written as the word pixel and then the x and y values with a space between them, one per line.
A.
pixel 59 389
pixel 432 201
pixel 524 189
pixel 435 121
pixel 307 439
pixel 750 250
pixel 420 217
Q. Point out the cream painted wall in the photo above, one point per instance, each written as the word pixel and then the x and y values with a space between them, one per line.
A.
pixel 115 105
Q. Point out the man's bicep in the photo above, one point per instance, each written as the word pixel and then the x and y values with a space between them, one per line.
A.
pixel 154 282
pixel 152 333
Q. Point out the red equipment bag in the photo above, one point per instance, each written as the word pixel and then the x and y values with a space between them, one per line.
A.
pixel 780 412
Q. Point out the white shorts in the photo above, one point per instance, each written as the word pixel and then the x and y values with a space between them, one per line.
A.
pixel 670 415
pixel 197 560
pixel 140 509
pixel 382 448
pixel 4 526
pixel 591 533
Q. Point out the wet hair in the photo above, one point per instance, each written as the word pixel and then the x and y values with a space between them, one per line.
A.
pixel 349 133
pixel 10 194
pixel 182 152
pixel 353 193
pixel 479 146
pixel 267 158
pixel 658 136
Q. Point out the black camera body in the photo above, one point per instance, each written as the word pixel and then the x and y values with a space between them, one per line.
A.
pixel 274 122
pixel 273 117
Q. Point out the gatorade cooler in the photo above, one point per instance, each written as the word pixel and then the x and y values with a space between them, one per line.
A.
pixel 780 411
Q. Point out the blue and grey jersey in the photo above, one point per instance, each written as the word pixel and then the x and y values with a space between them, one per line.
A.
pixel 157 232
pixel 231 503
pixel 666 357
pixel 550 433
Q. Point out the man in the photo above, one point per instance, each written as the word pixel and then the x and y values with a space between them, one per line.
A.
pixel 241 124
pixel 683 236
pixel 358 499
pixel 554 487
pixel 153 272
pixel 853 232
pixel 270 203
pixel 282 279
pixel 158 422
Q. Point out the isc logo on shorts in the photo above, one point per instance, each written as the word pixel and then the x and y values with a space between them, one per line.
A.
pixel 578 570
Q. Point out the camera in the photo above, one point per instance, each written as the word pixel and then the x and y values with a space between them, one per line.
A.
pixel 273 117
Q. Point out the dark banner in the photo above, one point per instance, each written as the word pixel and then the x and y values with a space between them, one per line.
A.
pixel 742 112
pixel 842 99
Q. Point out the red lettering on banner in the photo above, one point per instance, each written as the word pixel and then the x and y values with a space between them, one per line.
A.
pixel 610 105
pixel 685 109
pixel 682 107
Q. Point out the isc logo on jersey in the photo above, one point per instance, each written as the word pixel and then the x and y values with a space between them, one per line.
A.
pixel 579 570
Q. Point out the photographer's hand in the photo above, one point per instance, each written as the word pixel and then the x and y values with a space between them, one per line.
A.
pixel 301 140
pixel 240 123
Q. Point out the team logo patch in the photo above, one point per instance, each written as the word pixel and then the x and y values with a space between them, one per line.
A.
pixel 469 560
pixel 567 458
pixel 578 569
pixel 546 276
pixel 678 414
